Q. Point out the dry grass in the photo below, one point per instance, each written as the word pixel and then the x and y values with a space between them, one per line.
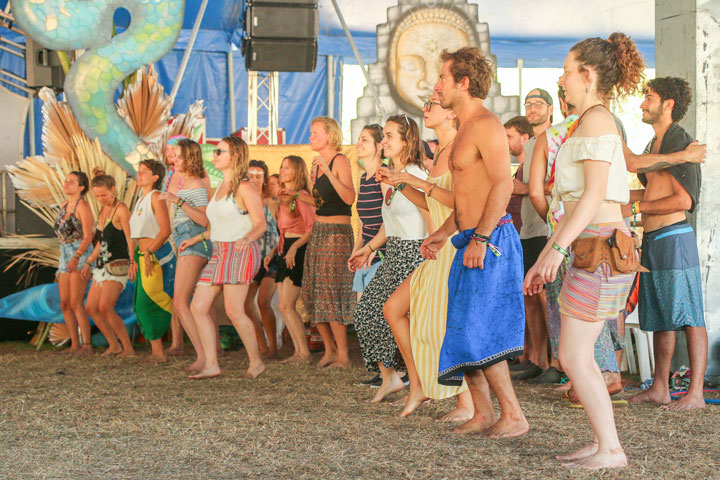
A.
pixel 75 417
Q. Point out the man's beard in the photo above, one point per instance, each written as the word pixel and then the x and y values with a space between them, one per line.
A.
pixel 539 121
pixel 652 117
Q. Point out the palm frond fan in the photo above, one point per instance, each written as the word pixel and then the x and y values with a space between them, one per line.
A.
pixel 187 124
pixel 145 107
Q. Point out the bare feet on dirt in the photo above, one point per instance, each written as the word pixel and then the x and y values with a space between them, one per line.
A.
pixel 414 400
pixel 327 359
pixel 153 360
pixel 600 460
pixel 112 351
pixel 175 352
pixel 585 451
pixel 477 424
pixel 255 371
pixel 458 415
pixel 394 385
pixel 652 395
pixel 688 402
pixel 207 373
pixel 509 427
pixel 339 364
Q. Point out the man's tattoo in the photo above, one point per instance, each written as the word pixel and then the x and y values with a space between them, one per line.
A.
pixel 656 167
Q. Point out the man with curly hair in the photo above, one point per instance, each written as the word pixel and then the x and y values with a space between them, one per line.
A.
pixel 671 293
pixel 486 315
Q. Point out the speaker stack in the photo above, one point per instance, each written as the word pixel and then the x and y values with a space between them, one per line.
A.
pixel 43 66
pixel 281 36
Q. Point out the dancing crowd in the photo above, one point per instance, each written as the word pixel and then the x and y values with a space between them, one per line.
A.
pixel 534 283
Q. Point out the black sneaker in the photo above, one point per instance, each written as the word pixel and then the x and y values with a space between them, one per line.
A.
pixel 520 366
pixel 531 372
pixel 550 376
pixel 374 382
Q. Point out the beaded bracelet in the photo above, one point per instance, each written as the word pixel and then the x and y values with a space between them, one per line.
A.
pixel 560 249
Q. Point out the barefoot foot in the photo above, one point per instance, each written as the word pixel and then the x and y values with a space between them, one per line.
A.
pixel 414 400
pixel 112 351
pixel 585 451
pixel 255 371
pixel 195 366
pixel 175 352
pixel 460 414
pixel 395 384
pixel 153 360
pixel 327 359
pixel 206 372
pixel 688 402
pixel 128 352
pixel 86 350
pixel 477 424
pixel 339 364
pixel 509 427
pixel 652 395
pixel 612 459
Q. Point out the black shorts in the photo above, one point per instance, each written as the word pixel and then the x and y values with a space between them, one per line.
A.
pixel 531 250
pixel 270 273
pixel 296 273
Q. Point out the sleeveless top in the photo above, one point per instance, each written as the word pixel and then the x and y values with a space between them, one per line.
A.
pixel 143 223
pixel 401 217
pixel 327 201
pixel 369 207
pixel 227 222
pixel 195 197
pixel 570 172
pixel 269 239
pixel 68 230
pixel 113 244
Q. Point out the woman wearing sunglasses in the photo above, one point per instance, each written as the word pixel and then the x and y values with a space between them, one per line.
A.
pixel 237 221
pixel 417 310
pixel 405 228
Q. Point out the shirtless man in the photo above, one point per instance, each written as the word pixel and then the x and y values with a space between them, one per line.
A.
pixel 671 293
pixel 486 318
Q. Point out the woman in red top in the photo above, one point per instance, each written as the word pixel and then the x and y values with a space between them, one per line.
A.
pixel 295 221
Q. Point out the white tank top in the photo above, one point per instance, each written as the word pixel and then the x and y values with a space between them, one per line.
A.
pixel 143 222
pixel 227 222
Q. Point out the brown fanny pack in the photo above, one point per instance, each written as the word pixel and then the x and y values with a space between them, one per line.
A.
pixel 618 251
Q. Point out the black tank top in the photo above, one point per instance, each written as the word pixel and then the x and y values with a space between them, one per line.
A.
pixel 327 201
pixel 113 244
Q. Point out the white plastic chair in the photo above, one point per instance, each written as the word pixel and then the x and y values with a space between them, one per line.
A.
pixel 642 357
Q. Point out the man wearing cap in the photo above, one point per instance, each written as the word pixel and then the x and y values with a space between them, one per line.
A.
pixel 533 236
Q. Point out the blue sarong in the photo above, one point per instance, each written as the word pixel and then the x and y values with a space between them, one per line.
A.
pixel 671 293
pixel 486 311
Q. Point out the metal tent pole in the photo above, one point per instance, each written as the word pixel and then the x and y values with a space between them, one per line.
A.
pixel 373 92
pixel 188 50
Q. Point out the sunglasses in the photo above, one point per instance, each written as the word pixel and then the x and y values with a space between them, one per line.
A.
pixel 220 151
pixel 407 121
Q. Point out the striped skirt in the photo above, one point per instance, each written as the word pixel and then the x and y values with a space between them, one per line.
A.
pixel 230 265
pixel 327 282
pixel 597 296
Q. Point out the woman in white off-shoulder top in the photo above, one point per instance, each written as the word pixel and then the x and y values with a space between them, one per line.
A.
pixel 591 180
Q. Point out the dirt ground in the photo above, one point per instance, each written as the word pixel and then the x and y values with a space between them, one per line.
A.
pixel 68 417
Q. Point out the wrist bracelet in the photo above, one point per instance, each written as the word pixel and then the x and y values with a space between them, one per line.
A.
pixel 560 249
pixel 400 187
pixel 180 203
pixel 485 240
pixel 432 186
pixel 370 247
pixel 478 237
pixel 635 208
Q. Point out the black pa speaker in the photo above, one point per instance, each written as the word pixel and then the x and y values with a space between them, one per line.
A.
pixel 28 223
pixel 271 55
pixel 281 21
pixel 281 36
pixel 43 66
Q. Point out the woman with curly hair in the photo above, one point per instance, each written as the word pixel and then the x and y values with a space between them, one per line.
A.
pixel 591 180
pixel 236 222
pixel 188 220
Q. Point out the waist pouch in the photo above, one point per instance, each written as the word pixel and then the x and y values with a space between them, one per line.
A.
pixel 618 252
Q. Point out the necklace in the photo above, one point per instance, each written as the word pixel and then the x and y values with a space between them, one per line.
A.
pixel 436 157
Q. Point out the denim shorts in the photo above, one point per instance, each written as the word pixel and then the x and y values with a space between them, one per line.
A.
pixel 67 250
pixel 363 276
pixel 189 229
